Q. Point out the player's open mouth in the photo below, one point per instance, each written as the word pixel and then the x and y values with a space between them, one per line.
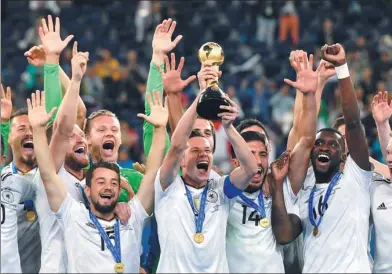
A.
pixel 260 172
pixel 106 196
pixel 202 165
pixel 108 146
pixel 28 145
pixel 323 158
pixel 81 150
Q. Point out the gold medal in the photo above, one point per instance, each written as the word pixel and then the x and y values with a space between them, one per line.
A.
pixel 264 223
pixel 316 232
pixel 30 216
pixel 198 238
pixel 119 267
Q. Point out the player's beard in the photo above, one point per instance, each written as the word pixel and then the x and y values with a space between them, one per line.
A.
pixel 104 209
pixel 73 163
pixel 28 160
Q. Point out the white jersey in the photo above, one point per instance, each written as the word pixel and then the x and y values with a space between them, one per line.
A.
pixel 53 257
pixel 86 249
pixel 176 227
pixel 344 231
pixel 20 246
pixel 381 208
pixel 251 248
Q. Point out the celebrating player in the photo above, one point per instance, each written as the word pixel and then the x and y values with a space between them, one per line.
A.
pixel 102 189
pixel 334 204
pixel 192 210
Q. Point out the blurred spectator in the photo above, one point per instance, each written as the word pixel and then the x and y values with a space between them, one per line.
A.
pixel 51 5
pixel 141 17
pixel 266 22
pixel 31 78
pixel 123 158
pixel 31 37
pixel 289 22
pixel 367 83
pixel 260 102
pixel 92 93
pixel 282 109
pixel 382 66
pixel 130 138
pixel 232 93
pixel 326 35
pixel 65 61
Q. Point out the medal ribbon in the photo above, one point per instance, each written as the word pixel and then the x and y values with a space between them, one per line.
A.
pixel 115 250
pixel 259 207
pixel 28 204
pixel 331 185
pixel 199 218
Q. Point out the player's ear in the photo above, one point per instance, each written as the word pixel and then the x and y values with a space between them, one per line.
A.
pixel 87 190
pixel 235 163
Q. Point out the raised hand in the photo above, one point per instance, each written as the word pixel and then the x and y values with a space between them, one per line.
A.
pixel 307 79
pixel 139 167
pixel 50 37
pixel 280 167
pixel 381 110
pixel 229 116
pixel 297 59
pixel 6 104
pixel 159 113
pixel 334 54
pixel 36 56
pixel 79 62
pixel 207 73
pixel 123 212
pixel 172 82
pixel 38 116
pixel 325 70
pixel 162 39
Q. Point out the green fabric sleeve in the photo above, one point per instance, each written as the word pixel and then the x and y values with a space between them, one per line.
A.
pixel 52 87
pixel 134 179
pixel 154 82
pixel 5 131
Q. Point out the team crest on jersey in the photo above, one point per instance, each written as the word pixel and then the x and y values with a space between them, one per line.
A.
pixel 7 196
pixel 212 196
pixel 90 224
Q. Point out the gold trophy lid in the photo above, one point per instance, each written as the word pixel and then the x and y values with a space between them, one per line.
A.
pixel 211 51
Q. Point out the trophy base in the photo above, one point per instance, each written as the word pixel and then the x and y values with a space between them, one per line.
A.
pixel 209 103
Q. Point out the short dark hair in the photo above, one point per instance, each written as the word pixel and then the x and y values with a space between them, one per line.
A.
pixel 95 114
pixel 213 132
pixel 252 122
pixel 101 164
pixel 196 133
pixel 19 112
pixel 329 129
pixel 338 122
pixel 249 136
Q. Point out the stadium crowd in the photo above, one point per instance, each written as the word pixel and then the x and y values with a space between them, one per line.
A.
pixel 112 167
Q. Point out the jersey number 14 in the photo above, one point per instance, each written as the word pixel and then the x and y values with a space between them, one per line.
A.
pixel 253 216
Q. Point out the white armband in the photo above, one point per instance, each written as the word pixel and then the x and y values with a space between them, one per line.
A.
pixel 342 71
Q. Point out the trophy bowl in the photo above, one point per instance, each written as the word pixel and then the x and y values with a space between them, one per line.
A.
pixel 212 97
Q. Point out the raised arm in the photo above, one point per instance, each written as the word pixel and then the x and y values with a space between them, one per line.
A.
pixel 38 118
pixel 158 118
pixel 161 44
pixel 241 176
pixel 6 111
pixel 307 83
pixel 67 114
pixel 382 112
pixel 52 44
pixel 172 161
pixel 174 85
pixel 355 135
pixel 286 227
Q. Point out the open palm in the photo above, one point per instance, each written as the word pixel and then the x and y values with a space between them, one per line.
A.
pixel 381 110
pixel 171 79
pixel 325 70
pixel 162 40
pixel 159 114
pixel 50 37
pixel 38 117
pixel 307 78
pixel 6 104
pixel 280 167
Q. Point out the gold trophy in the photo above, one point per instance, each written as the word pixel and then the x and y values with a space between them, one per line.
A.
pixel 212 97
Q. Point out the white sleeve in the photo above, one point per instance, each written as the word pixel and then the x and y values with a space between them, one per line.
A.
pixel 69 211
pixel 356 174
pixel 159 192
pixel 138 210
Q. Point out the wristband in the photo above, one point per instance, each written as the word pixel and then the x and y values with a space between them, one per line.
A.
pixel 342 71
